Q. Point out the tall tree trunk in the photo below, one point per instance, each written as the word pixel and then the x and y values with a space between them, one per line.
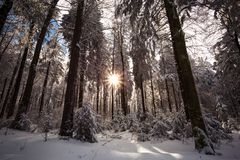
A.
pixel 50 95
pixel 113 69
pixel 175 96
pixel 112 102
pixel 24 104
pixel 10 87
pixel 98 92
pixel 82 67
pixel 4 10
pixel 101 102
pixel 63 94
pixel 123 96
pixel 105 95
pixel 22 91
pixel 44 89
pixel 142 95
pixel 3 89
pixel 6 47
pixel 77 89
pixel 237 41
pixel 187 84
pixel 160 96
pixel 153 96
pixel 13 100
pixel 67 118
pixel 166 83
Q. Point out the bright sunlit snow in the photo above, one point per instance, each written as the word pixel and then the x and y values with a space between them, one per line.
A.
pixel 18 145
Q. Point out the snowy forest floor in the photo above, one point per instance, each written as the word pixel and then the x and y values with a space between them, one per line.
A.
pixel 18 145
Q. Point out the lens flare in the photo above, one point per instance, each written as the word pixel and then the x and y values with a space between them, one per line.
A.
pixel 114 79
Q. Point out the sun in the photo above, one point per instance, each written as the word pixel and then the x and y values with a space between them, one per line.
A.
pixel 114 79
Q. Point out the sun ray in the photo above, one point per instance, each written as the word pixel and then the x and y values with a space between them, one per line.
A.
pixel 114 79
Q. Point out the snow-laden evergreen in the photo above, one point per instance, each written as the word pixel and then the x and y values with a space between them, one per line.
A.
pixel 85 126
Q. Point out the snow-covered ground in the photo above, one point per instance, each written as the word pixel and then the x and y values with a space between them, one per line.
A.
pixel 18 145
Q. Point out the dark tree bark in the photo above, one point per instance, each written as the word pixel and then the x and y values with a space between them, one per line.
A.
pixel 13 100
pixel 4 10
pixel 77 93
pixel 44 89
pixel 22 91
pixel 160 96
pixel 67 118
pixel 153 96
pixel 83 66
pixel 166 83
pixel 123 96
pixel 113 72
pixel 237 41
pixel 100 102
pixel 24 104
pixel 3 90
pixel 63 94
pixel 142 95
pixel 179 97
pixel 10 87
pixel 105 104
pixel 187 84
pixel 50 95
pixel 175 96
pixel 112 102
pixel 98 92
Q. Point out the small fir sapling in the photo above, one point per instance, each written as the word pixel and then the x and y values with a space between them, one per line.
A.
pixel 85 126
pixel 119 122
pixel 46 123
pixel 132 122
pixel 202 141
pixel 215 130
pixel 181 128
pixel 24 123
pixel 159 130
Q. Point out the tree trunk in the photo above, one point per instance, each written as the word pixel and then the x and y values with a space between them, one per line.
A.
pixel 50 95
pixel 10 87
pixel 142 95
pixel 4 10
pixel 24 104
pixel 98 92
pixel 101 102
pixel 187 84
pixel 77 93
pixel 123 98
pixel 22 91
pixel 153 96
pixel 67 118
pixel 166 83
pixel 237 41
pixel 113 71
pixel 175 97
pixel 44 89
pixel 13 100
pixel 112 102
pixel 160 96
pixel 83 66
pixel 3 90
pixel 105 95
